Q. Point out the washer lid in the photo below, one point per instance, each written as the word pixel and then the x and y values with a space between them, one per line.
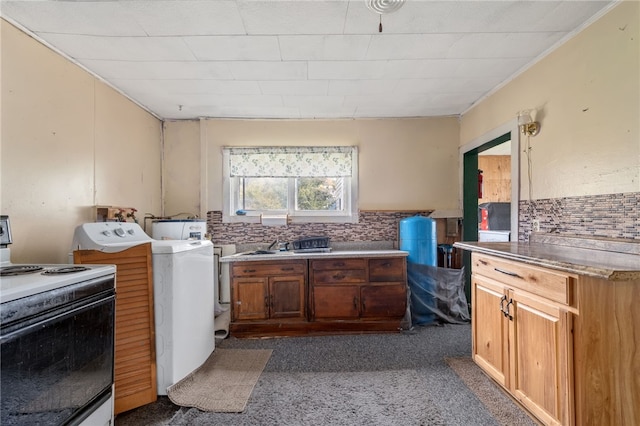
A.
pixel 177 246
pixel 178 220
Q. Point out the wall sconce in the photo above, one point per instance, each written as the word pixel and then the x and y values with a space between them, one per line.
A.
pixel 526 123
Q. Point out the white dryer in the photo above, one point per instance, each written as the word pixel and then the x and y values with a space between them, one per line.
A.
pixel 183 294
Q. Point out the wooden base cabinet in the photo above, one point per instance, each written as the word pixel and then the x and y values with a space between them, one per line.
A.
pixel 318 296
pixel 269 290
pixel 559 343
pixel 358 289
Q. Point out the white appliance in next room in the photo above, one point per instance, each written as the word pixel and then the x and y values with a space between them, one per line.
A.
pixel 183 294
pixel 178 229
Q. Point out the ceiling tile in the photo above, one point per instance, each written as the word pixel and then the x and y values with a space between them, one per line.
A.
pixel 220 17
pixel 159 70
pixel 411 46
pixel 234 48
pixel 265 70
pixel 293 17
pixel 82 18
pixel 294 87
pixel 362 87
pixel 121 48
pixel 324 47
pixel 503 45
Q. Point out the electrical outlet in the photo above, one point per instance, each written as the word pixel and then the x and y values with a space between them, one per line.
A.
pixel 535 225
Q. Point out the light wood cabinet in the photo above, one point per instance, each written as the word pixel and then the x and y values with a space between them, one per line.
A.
pixel 564 345
pixel 521 338
pixel 135 345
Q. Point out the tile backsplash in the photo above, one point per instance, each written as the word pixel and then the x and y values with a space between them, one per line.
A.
pixel 372 226
pixel 608 215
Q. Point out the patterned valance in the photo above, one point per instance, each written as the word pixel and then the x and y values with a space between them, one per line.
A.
pixel 327 161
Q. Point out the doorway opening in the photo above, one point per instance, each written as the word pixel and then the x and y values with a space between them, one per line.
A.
pixel 470 200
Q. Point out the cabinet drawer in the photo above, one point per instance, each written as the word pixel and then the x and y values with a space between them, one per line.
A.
pixel 387 269
pixel 253 269
pixel 328 264
pixel 338 276
pixel 553 285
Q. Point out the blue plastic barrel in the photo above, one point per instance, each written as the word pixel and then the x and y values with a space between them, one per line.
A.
pixel 418 237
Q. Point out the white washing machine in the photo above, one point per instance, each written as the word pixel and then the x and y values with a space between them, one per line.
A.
pixel 183 294
pixel 178 229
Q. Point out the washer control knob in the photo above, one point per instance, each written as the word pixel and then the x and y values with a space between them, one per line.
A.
pixel 119 232
pixel 106 233
pixel 131 231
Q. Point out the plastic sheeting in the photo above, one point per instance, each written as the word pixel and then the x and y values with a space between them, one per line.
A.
pixel 436 295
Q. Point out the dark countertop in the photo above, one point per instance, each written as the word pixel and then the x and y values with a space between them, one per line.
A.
pixel 609 265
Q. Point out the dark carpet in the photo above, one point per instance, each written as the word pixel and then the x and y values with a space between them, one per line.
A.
pixel 368 379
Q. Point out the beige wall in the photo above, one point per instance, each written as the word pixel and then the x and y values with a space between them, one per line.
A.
pixel 587 94
pixel 404 164
pixel 68 143
pixel 181 168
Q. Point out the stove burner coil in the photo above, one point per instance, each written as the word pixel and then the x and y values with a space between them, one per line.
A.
pixel 8 271
pixel 65 270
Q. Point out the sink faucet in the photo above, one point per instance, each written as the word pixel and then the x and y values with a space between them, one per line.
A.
pixel 282 246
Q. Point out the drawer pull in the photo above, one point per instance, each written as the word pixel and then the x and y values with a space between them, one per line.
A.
pixel 355 302
pixel 502 300
pixel 286 269
pixel 484 262
pixel 339 276
pixel 338 264
pixel 511 274
pixel 249 270
pixel 507 312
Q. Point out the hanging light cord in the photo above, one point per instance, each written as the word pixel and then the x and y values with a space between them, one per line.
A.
pixel 380 26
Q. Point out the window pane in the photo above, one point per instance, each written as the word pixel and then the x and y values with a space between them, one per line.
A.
pixel 262 193
pixel 320 194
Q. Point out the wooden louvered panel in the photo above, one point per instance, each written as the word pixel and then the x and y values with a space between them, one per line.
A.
pixel 135 357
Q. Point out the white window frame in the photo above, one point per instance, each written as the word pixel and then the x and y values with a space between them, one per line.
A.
pixel 348 215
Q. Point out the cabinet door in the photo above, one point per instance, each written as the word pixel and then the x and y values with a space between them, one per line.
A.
pixel 383 301
pixel 490 328
pixel 286 297
pixel 540 361
pixel 250 297
pixel 336 302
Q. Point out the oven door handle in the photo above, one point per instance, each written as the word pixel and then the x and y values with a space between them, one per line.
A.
pixel 25 327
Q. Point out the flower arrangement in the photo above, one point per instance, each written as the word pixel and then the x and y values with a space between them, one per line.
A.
pixel 132 215
pixel 122 215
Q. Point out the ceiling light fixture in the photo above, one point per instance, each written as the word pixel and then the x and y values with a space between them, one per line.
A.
pixel 383 7
pixel 526 123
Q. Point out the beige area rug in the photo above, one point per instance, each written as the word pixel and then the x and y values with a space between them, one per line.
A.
pixel 500 405
pixel 223 383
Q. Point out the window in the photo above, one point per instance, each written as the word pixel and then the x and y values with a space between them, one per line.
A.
pixel 309 184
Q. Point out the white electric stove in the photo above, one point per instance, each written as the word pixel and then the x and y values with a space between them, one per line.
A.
pixel 57 327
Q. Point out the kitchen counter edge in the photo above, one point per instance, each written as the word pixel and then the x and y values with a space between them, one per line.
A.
pixel 239 257
pixel 607 265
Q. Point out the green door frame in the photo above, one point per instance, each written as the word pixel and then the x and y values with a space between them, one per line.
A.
pixel 470 201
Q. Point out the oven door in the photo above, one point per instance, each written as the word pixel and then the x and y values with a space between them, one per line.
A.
pixel 57 366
